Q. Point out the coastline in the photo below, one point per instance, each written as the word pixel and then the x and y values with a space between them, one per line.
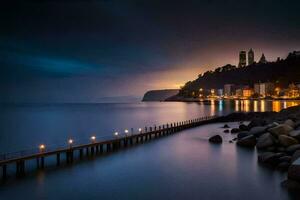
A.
pixel 182 99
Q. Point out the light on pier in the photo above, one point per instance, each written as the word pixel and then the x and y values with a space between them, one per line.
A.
pixel 42 147
pixel 70 141
pixel 93 138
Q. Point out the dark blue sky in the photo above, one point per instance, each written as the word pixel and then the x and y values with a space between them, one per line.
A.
pixel 82 50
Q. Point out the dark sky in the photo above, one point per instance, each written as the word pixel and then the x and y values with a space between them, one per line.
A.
pixel 82 50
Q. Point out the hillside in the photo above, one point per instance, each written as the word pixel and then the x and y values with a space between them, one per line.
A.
pixel 281 72
pixel 159 95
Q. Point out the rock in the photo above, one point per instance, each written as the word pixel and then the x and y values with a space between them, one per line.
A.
pixel 264 156
pixel 283 166
pixel 271 125
pixel 225 126
pixel 281 129
pixel 291 149
pixel 291 185
pixel 235 130
pixel 295 134
pixel 248 141
pixel 234 139
pixel 243 134
pixel 258 130
pixel 281 149
pixel 297 124
pixel 243 127
pixel 230 141
pixel 226 131
pixel 294 170
pixel 256 122
pixel 285 159
pixel 286 141
pixel 271 148
pixel 215 139
pixel 295 156
pixel 290 122
pixel 270 158
pixel 265 140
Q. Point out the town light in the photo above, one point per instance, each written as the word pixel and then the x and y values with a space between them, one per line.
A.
pixel 126 131
pixel 42 147
pixel 93 138
pixel 140 130
pixel 116 133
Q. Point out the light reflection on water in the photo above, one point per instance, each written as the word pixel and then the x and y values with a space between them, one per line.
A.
pixel 252 105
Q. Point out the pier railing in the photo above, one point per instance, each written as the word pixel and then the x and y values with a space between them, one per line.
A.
pixel 96 145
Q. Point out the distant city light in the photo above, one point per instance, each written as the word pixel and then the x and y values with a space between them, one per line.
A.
pixel 116 133
pixel 126 131
pixel 140 130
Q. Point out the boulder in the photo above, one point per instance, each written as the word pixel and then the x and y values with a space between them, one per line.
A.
pixel 291 185
pixel 226 131
pixel 294 170
pixel 225 126
pixel 283 166
pixel 272 125
pixel 243 127
pixel 295 134
pixel 243 134
pixel 248 141
pixel 264 156
pixel 270 158
pixel 291 149
pixel 285 159
pixel 271 148
pixel 287 141
pixel 258 130
pixel 281 149
pixel 257 122
pixel 215 139
pixel 235 130
pixel 265 140
pixel 295 156
pixel 281 129
pixel 290 122
pixel 297 125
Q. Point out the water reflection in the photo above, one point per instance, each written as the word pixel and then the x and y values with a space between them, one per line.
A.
pixel 250 106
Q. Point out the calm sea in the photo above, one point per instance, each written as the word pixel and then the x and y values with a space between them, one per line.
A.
pixel 182 166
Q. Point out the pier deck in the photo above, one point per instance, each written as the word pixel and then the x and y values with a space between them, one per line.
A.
pixel 95 147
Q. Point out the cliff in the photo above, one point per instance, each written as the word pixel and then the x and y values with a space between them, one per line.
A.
pixel 159 95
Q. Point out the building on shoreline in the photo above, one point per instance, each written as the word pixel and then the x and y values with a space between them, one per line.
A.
pixel 229 90
pixel 264 89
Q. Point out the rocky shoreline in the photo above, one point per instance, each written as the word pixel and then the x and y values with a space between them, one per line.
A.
pixel 275 135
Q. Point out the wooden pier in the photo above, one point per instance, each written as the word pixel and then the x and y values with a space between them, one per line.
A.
pixel 95 147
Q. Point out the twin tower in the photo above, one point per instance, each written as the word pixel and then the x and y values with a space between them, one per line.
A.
pixel 243 58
